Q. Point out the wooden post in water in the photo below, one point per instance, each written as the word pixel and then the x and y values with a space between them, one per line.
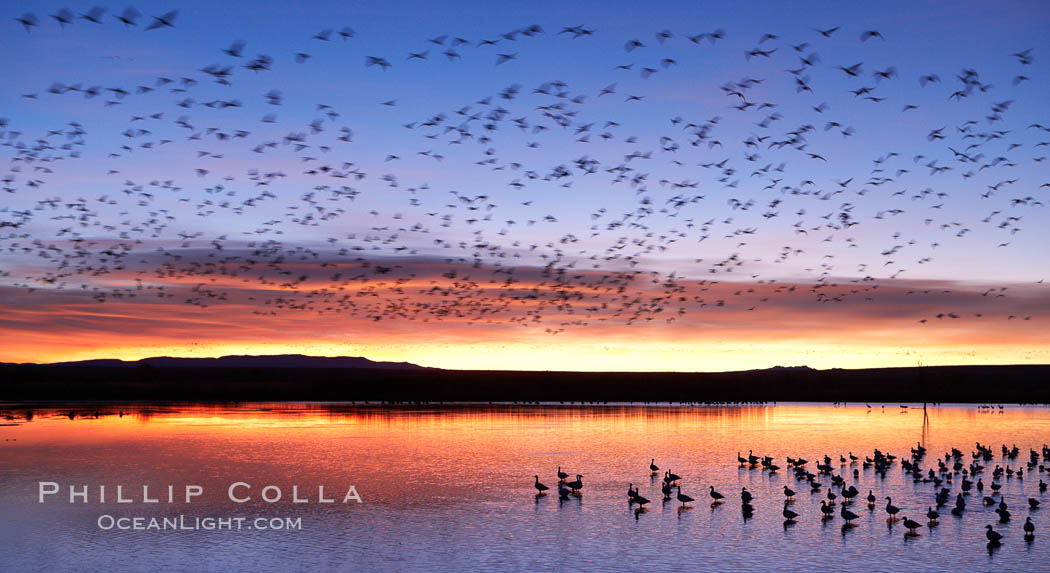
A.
pixel 923 390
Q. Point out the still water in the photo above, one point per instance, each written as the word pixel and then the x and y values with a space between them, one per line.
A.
pixel 451 488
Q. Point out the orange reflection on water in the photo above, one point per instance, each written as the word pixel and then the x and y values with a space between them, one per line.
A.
pixel 440 482
pixel 315 432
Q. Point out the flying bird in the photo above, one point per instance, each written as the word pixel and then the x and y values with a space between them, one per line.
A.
pixel 165 21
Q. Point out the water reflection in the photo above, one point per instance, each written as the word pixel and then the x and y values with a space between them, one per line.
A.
pixel 451 487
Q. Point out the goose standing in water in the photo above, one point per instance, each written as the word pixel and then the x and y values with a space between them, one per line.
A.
pixel 576 485
pixel 932 516
pixel 682 497
pixel 562 476
pixel 653 467
pixel 848 515
pixel 716 496
pixel 741 459
pixel 1029 528
pixel 827 510
pixel 1004 515
pixel 994 537
pixel 639 499
pixel 789 493
pixel 631 492
pixel 666 489
pixel 912 526
pixel 564 492
pixel 891 509
pixel 871 498
pixel 542 489
pixel 789 515
pixel 746 506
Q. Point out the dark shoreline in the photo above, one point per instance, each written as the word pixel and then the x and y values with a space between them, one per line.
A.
pixel 958 384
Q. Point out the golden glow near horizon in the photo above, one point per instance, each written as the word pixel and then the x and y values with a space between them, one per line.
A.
pixel 652 355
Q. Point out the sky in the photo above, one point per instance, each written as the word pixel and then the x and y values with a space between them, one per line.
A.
pixel 689 186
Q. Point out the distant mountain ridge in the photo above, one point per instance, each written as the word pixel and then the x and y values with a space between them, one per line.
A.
pixel 247 361
pixel 278 361
pixel 303 378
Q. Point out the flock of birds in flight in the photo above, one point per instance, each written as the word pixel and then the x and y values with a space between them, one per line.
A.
pixel 503 253
pixel 949 469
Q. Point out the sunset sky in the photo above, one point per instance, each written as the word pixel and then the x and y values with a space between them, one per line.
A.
pixel 553 186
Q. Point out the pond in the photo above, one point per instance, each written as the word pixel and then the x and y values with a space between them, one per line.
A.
pixel 360 487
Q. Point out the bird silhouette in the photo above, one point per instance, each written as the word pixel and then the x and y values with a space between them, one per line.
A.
pixel 539 486
pixel 165 21
pixel 891 509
